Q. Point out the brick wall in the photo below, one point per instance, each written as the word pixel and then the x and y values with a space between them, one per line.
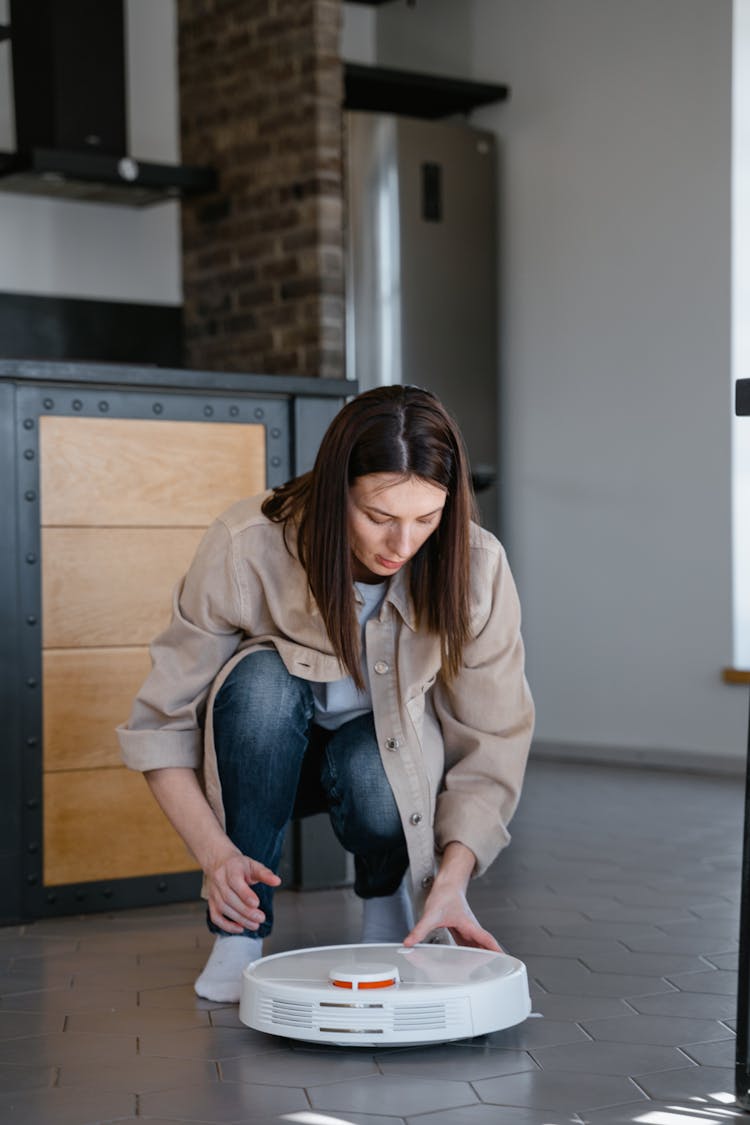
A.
pixel 261 86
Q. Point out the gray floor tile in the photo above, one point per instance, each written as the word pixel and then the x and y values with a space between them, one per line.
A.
pixel 659 942
pixel 578 981
pixel 717 982
pixel 207 1043
pixel 647 964
pixel 400 1096
pixel 715 1084
pixel 176 996
pixel 65 1107
pixel 577 1008
pixel 665 1030
pixel 610 1058
pixel 56 1050
pixel 222 1102
pixel 720 1053
pixel 488 1115
pixel 676 1111
pixel 723 960
pixel 691 1004
pixel 533 1032
pixel 14 1078
pixel 69 1000
pixel 285 1067
pixel 138 1075
pixel 16 1025
pixel 457 1064
pixel 137 1021
pixel 558 1091
pixel 33 974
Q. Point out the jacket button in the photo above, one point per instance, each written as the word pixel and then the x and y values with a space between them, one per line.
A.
pixel 416 818
pixel 427 882
pixel 392 744
pixel 381 667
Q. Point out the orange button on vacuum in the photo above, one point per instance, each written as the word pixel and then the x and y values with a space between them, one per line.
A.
pixel 369 976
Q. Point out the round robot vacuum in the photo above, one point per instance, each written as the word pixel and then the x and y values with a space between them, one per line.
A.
pixel 366 995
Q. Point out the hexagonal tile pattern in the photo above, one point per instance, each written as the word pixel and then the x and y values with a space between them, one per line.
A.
pixel 222 1102
pixel 453 1063
pixel 623 909
pixel 399 1096
pixel 559 1091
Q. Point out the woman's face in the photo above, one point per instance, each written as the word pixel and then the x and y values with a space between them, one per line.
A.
pixel 390 517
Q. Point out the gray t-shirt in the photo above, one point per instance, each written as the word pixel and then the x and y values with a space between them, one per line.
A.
pixel 338 702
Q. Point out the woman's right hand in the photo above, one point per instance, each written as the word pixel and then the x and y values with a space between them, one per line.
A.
pixel 233 905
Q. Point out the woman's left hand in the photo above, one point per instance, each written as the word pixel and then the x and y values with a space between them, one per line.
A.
pixel 446 904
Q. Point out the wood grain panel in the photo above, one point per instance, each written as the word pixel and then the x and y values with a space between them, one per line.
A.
pixel 125 472
pixel 110 586
pixel 104 824
pixel 87 692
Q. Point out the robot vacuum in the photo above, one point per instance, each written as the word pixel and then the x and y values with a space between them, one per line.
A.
pixel 367 995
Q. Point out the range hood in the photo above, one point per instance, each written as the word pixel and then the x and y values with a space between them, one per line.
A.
pixel 68 59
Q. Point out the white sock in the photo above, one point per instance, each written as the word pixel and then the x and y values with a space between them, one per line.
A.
pixel 388 918
pixel 221 978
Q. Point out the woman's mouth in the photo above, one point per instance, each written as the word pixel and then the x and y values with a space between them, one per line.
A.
pixel 387 563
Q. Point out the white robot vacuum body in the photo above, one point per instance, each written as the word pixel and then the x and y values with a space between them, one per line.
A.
pixel 366 995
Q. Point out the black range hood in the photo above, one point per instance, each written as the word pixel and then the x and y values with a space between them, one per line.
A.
pixel 69 87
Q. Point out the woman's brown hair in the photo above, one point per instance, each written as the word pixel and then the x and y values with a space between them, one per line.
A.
pixel 393 429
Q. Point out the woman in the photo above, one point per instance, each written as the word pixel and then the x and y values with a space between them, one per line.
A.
pixel 349 642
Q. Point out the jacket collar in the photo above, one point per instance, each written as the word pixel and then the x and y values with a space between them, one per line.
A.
pixel 399 595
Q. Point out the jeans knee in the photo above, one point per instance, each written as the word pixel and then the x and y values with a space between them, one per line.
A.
pixel 260 694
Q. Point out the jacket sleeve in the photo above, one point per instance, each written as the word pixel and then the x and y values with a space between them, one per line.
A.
pixel 487 717
pixel 164 728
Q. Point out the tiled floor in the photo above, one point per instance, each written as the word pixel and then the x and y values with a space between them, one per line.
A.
pixel 619 892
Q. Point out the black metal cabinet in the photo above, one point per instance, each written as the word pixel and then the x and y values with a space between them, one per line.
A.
pixel 294 413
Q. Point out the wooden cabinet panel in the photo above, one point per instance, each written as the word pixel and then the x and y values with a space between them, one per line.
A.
pixel 104 824
pixel 86 693
pixel 110 586
pixel 123 472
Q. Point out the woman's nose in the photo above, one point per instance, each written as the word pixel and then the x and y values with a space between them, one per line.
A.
pixel 399 541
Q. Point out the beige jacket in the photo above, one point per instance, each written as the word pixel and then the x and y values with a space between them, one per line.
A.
pixel 454 753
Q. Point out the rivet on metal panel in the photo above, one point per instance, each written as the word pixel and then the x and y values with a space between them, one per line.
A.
pixel 32 880
pixel 276 432
pixel 234 411
pixel 77 404
pixel 33 847
pixel 157 408
pixel 162 886
pixel 258 412
pixel 275 461
pixel 104 406
pixel 32 803
pixel 31 682
pixel 28 423
pixel 107 892
pixel 30 495
pixel 31 620
pixel 31 557
pixel 51 899
pixel 28 454
pixel 48 403
pixel 32 741
pixel 208 411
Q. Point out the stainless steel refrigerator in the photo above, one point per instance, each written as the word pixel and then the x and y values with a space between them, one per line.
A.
pixel 422 272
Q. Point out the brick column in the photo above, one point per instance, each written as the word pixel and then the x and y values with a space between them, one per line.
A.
pixel 261 88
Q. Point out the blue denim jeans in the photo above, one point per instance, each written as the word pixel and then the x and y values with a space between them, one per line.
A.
pixel 275 763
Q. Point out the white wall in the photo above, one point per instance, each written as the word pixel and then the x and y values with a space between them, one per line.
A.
pixel 56 247
pixel 615 362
